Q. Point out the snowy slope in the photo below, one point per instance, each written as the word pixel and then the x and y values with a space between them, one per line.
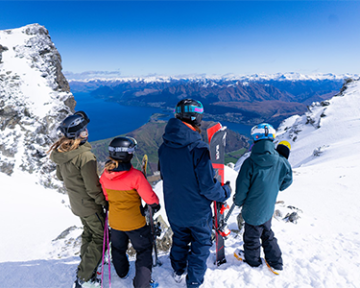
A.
pixel 321 250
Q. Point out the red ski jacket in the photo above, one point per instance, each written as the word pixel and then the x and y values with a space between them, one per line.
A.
pixel 123 191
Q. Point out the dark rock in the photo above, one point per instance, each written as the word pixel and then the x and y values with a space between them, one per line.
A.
pixel 65 233
pixel 7 168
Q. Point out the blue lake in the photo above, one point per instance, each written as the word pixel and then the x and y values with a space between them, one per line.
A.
pixel 109 119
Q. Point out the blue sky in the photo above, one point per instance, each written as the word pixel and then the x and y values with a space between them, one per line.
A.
pixel 138 38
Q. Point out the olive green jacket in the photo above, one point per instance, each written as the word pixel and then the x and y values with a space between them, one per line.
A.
pixel 78 170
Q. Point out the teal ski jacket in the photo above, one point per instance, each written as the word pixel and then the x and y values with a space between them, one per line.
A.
pixel 261 177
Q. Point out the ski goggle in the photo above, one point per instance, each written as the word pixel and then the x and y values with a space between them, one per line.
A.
pixel 84 133
pixel 190 109
pixel 129 150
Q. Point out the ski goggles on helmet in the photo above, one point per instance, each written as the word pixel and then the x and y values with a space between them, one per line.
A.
pixel 129 150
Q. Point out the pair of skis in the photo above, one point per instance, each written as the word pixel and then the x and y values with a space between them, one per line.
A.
pixel 217 142
pixel 155 228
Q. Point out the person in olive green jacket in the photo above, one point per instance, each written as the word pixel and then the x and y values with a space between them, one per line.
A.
pixel 77 168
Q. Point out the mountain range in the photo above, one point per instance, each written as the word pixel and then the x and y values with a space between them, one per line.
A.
pixel 247 100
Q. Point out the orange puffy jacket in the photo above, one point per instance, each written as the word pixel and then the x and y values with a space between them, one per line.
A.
pixel 123 191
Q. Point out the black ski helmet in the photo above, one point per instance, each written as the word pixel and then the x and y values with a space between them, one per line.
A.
pixel 122 148
pixel 284 149
pixel 189 111
pixel 74 124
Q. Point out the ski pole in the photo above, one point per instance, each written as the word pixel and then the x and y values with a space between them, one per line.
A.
pixel 229 213
pixel 106 242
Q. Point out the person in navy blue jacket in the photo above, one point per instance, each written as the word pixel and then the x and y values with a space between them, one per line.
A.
pixel 189 189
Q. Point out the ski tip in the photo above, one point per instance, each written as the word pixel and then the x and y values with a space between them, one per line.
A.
pixel 220 262
pixel 271 269
pixel 239 255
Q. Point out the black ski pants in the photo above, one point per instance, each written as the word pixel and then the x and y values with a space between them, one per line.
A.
pixel 141 241
pixel 252 236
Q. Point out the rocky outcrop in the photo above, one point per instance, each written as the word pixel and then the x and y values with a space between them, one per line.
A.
pixel 2 48
pixel 34 97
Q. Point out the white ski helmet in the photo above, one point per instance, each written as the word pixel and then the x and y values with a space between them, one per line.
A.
pixel 263 131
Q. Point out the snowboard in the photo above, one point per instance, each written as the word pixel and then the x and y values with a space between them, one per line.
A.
pixel 155 228
pixel 239 255
pixel 217 141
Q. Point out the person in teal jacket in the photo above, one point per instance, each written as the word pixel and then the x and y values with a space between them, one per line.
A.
pixel 261 177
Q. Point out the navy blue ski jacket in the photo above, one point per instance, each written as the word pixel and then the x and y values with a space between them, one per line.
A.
pixel 188 176
pixel 261 177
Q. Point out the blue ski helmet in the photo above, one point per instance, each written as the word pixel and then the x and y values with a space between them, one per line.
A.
pixel 189 111
pixel 263 131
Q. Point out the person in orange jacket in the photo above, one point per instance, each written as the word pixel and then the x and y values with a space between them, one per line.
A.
pixel 124 187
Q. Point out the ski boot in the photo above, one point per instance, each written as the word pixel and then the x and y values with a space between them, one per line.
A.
pixel 92 283
pixel 179 278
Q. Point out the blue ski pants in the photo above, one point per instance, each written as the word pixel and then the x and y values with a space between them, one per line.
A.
pixel 190 249
pixel 252 236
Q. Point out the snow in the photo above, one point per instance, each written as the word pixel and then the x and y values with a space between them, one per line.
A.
pixel 32 217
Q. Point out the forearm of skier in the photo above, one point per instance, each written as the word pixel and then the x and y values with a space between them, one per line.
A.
pixel 91 182
pixel 58 173
pixel 242 185
pixel 287 181
pixel 145 192
pixel 209 186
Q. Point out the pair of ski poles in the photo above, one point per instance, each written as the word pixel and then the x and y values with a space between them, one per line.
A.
pixel 106 242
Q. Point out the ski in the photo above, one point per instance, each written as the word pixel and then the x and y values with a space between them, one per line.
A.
pixel 217 137
pixel 239 255
pixel 155 228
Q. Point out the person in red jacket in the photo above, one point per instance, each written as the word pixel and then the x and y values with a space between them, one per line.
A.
pixel 124 187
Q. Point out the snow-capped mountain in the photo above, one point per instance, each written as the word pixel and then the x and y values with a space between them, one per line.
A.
pixel 289 76
pixel 34 97
pixel 324 127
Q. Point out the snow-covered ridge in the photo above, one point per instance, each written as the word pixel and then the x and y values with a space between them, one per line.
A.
pixel 290 76
pixel 34 97
pixel 324 126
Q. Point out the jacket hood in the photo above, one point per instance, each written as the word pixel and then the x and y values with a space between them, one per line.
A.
pixel 61 158
pixel 263 153
pixel 178 135
pixel 114 175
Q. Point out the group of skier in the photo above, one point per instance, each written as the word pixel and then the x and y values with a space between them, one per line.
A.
pixel 189 187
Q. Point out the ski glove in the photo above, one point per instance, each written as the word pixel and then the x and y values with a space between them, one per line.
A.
pixel 155 207
pixel 106 207
pixel 227 189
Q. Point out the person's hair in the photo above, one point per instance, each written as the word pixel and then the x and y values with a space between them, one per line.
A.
pixel 197 128
pixel 65 144
pixel 112 164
